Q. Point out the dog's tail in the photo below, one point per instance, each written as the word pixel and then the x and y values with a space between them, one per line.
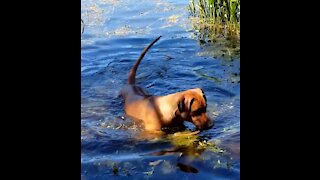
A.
pixel 132 75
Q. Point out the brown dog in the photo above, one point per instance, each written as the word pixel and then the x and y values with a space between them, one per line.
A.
pixel 157 112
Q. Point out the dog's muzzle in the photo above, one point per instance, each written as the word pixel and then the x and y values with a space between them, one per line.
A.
pixel 204 124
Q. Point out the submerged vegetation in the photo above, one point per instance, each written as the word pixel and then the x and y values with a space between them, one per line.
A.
pixel 217 22
pixel 191 141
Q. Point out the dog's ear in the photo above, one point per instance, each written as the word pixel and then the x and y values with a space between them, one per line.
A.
pixel 181 105
pixel 185 103
pixel 184 106
pixel 182 109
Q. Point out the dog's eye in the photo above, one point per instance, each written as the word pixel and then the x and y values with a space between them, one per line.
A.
pixel 196 113
pixel 199 111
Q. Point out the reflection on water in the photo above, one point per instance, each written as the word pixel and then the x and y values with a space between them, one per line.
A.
pixel 114 147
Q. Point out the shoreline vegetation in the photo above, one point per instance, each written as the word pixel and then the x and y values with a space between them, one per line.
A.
pixel 217 24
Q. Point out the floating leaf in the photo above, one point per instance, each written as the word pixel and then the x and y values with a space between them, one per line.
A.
pixel 155 163
pixel 149 172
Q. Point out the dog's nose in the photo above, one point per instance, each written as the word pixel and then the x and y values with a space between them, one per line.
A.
pixel 206 126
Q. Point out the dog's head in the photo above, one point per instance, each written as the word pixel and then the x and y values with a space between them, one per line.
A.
pixel 192 107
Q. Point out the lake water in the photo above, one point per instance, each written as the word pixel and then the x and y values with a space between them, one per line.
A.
pixel 115 33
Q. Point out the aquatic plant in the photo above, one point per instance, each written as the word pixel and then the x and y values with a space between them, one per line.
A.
pixel 223 15
pixel 217 21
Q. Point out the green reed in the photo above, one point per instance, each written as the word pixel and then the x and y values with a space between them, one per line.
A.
pixel 224 14
pixel 217 21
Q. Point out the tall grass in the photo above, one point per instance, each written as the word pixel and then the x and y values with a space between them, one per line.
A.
pixel 217 21
pixel 224 14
